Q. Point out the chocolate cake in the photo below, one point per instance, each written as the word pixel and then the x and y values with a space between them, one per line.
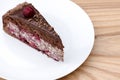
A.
pixel 26 23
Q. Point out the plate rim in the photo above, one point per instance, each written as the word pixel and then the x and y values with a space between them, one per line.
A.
pixel 92 42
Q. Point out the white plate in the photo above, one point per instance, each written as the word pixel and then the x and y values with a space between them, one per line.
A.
pixel 21 62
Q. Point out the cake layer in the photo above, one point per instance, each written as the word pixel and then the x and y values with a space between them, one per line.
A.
pixel 34 41
pixel 25 23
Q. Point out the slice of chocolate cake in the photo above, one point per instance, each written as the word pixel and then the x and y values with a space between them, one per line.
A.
pixel 25 23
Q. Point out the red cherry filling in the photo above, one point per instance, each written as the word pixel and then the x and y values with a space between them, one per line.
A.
pixel 28 12
pixel 37 36
pixel 45 51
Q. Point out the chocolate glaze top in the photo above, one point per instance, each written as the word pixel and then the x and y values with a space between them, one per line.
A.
pixel 36 22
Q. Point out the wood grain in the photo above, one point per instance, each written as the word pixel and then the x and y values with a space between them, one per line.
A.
pixel 104 61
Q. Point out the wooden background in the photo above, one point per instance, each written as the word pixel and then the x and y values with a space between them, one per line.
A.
pixel 104 61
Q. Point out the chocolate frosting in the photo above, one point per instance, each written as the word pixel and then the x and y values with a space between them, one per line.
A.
pixel 36 24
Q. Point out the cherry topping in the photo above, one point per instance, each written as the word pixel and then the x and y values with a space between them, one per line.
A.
pixel 28 12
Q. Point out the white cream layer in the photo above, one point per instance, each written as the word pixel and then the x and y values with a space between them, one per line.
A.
pixel 42 45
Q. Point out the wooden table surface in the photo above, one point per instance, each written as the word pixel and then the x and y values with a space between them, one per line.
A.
pixel 104 61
